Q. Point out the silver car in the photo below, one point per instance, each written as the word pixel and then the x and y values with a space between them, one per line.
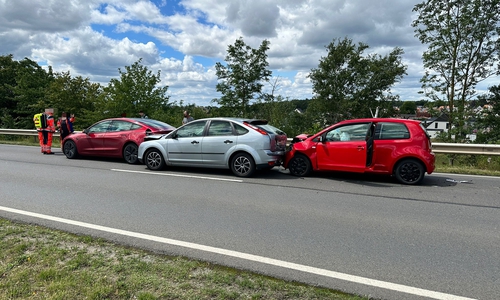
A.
pixel 242 145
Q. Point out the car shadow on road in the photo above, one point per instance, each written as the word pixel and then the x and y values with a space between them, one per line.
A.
pixel 278 173
pixel 113 160
pixel 377 180
pixel 274 173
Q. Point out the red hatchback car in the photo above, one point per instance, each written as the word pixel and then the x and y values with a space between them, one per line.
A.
pixel 118 137
pixel 396 147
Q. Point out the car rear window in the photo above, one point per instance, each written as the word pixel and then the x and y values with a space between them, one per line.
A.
pixel 391 131
pixel 156 124
pixel 271 129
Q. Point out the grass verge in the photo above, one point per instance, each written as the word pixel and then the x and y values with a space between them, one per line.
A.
pixel 41 263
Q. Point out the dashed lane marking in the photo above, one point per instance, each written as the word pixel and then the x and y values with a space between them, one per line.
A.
pixel 179 175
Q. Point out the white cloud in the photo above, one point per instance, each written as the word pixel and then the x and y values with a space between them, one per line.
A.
pixel 43 16
pixel 257 18
pixel 185 38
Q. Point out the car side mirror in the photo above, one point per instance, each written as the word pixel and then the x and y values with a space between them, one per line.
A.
pixel 86 131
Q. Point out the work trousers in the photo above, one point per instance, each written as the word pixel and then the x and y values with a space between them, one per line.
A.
pixel 45 138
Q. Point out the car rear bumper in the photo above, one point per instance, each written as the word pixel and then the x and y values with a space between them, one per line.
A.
pixel 275 153
pixel 268 158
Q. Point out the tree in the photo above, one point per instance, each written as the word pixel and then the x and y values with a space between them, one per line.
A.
pixel 463 50
pixel 347 84
pixel 77 96
pixel 242 77
pixel 137 89
pixel 30 92
pixel 488 120
pixel 408 107
pixel 8 70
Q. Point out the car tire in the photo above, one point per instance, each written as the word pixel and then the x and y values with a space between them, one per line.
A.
pixel 130 153
pixel 300 165
pixel 154 160
pixel 409 171
pixel 69 149
pixel 242 165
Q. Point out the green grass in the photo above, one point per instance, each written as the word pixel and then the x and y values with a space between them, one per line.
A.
pixel 468 164
pixel 41 263
pixel 23 140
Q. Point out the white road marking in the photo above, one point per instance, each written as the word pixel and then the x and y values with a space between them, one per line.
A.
pixel 249 257
pixel 178 175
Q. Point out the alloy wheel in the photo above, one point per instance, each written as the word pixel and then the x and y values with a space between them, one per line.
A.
pixel 299 166
pixel 130 153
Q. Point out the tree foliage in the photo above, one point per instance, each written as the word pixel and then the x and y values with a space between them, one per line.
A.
pixel 489 119
pixel 241 79
pixel 463 50
pixel 30 91
pixel 8 71
pixel 75 95
pixel 408 107
pixel 348 83
pixel 136 90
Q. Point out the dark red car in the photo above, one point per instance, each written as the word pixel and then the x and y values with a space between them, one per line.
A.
pixel 396 147
pixel 118 137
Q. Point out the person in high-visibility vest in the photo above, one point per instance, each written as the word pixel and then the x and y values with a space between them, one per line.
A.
pixel 40 121
pixel 48 132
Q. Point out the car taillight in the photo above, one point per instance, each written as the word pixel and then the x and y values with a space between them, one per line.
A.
pixel 263 132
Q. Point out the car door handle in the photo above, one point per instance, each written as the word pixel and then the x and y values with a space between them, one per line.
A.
pixel 361 148
pixel 228 142
pixel 195 142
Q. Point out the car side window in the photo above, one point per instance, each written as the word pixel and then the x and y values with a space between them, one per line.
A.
pixel 119 126
pixel 351 132
pixel 135 126
pixel 100 127
pixel 192 129
pixel 391 131
pixel 240 130
pixel 220 128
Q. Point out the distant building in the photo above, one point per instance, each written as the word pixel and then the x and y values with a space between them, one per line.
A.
pixel 436 125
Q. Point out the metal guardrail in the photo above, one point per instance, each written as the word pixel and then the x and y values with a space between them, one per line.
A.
pixel 450 148
pixel 26 132
pixel 29 132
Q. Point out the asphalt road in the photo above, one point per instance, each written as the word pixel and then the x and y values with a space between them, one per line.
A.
pixel 360 234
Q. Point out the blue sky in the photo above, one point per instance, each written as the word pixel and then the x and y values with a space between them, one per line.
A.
pixel 184 39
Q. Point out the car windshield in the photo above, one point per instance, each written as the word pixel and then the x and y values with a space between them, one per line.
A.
pixel 156 124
